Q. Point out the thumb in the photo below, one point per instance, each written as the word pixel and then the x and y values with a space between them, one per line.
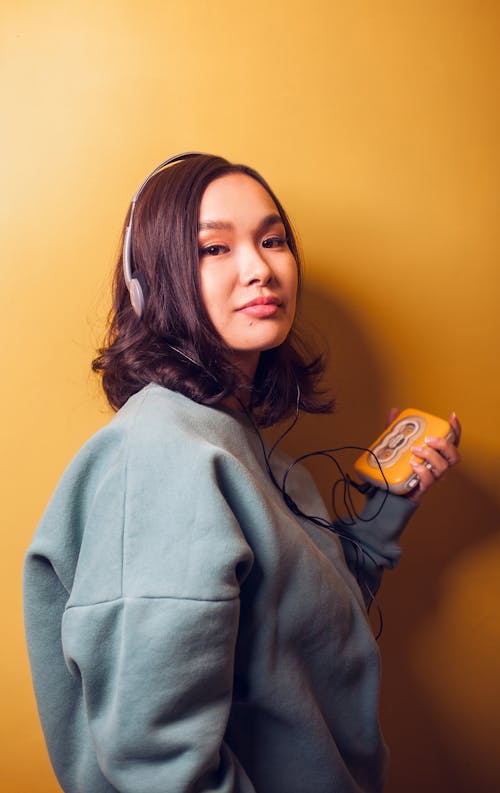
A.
pixel 392 415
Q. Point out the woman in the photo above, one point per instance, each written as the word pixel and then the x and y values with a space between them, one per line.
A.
pixel 188 628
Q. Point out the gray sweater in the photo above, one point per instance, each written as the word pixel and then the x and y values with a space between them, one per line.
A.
pixel 187 633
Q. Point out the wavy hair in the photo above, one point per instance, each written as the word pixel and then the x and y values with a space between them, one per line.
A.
pixel 174 343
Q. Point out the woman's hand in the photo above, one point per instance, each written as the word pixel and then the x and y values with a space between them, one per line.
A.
pixel 435 457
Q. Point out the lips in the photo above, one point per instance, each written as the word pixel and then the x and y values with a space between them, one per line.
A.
pixel 261 306
pixel 268 300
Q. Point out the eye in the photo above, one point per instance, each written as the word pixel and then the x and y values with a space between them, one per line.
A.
pixel 274 242
pixel 213 250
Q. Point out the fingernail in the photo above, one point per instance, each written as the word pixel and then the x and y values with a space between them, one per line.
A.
pixel 430 439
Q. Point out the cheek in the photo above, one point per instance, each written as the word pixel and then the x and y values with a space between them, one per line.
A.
pixel 293 286
pixel 214 293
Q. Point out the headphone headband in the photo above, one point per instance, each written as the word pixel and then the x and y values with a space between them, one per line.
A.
pixel 132 279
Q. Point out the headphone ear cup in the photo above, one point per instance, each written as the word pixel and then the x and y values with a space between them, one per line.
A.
pixel 138 293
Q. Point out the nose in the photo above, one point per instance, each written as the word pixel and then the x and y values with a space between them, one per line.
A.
pixel 254 267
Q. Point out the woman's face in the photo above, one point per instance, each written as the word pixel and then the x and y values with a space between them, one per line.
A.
pixel 248 275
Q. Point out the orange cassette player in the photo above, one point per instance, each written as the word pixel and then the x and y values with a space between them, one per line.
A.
pixel 390 454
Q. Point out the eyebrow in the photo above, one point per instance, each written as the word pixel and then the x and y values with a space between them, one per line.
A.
pixel 215 224
pixel 265 223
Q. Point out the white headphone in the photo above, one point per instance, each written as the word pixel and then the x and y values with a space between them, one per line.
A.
pixel 132 277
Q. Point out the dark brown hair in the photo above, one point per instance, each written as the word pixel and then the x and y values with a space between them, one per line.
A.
pixel 174 343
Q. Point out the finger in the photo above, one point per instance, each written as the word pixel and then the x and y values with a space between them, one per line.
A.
pixel 445 448
pixel 432 460
pixel 392 415
pixel 456 427
pixel 426 479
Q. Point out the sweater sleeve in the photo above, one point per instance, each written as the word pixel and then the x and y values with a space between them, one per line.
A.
pixel 132 652
pixel 371 542
pixel 157 680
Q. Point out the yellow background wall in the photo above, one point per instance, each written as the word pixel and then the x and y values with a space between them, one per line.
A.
pixel 378 125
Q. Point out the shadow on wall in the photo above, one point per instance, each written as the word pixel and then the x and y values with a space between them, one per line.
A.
pixel 352 377
pixel 435 703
